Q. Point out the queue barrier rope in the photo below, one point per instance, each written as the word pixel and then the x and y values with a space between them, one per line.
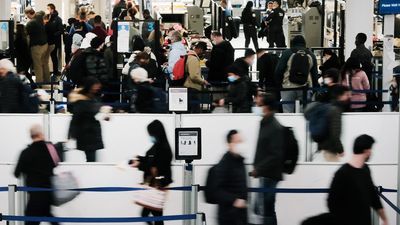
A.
pixel 186 188
pixel 98 220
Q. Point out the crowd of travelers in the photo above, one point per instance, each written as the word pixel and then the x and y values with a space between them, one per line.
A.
pixel 216 81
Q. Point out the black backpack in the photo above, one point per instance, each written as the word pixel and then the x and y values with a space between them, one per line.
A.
pixel 291 151
pixel 300 67
pixel 211 187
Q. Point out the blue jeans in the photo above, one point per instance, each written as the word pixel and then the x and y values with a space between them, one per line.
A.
pixel 267 200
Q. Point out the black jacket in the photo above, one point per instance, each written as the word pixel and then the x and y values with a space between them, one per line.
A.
pixel 248 17
pixel 222 56
pixel 37 32
pixel 231 179
pixel 36 164
pixel 89 63
pixel 240 97
pixel 352 195
pixel 332 62
pixel 231 184
pixel 268 161
pixel 23 54
pixel 118 9
pixel 54 30
pixel 160 157
pixel 11 94
pixel 365 56
pixel 84 127
pixel 333 143
pixel 275 20
pixel 266 66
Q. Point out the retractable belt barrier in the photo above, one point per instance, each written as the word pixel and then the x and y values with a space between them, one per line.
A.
pixel 380 190
pixel 98 220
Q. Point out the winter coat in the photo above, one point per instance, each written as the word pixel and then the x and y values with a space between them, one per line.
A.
pixel 222 56
pixel 332 143
pixel 194 79
pixel 89 63
pixel 177 50
pixel 239 96
pixel 160 157
pixel 84 126
pixel 11 94
pixel 268 161
pixel 54 30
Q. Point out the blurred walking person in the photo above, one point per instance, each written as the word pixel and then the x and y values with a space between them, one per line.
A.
pixel 85 126
pixel 36 163
pixel 156 164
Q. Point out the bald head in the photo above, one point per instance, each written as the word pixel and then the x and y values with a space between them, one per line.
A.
pixel 36 132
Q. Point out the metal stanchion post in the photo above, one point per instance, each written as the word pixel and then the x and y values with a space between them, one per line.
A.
pixel 375 218
pixel 187 181
pixel 11 202
pixel 194 202
pixel 297 106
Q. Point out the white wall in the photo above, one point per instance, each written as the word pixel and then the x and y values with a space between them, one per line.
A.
pixel 126 136
pixel 291 208
pixel 359 18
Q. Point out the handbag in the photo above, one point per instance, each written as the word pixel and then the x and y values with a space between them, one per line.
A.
pixel 151 197
pixel 63 183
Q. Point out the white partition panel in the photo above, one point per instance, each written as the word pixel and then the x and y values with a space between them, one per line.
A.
pixel 292 209
pixel 109 204
pixel 14 134
pixel 384 127
pixel 216 126
pixel 124 136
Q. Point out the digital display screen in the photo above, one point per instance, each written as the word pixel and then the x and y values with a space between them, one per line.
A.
pixel 389 7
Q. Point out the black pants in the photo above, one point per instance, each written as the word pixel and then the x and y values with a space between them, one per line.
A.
pixel 147 212
pixel 276 38
pixel 39 205
pixel 90 156
pixel 323 219
pixel 229 215
pixel 250 31
pixel 54 59
pixel 194 100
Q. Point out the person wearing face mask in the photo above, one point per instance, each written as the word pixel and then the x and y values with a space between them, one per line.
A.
pixel 268 166
pixel 238 95
pixel 352 193
pixel 222 55
pixel 156 164
pixel 231 183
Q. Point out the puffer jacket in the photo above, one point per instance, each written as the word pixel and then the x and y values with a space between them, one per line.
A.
pixel 11 95
pixel 84 126
pixel 90 63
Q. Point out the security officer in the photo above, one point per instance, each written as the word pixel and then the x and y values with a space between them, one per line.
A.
pixel 276 37
pixel 250 25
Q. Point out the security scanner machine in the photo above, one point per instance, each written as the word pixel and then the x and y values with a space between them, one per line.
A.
pixel 312 20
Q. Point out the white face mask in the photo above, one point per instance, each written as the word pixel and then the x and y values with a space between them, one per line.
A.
pixel 327 81
pixel 240 149
pixel 257 110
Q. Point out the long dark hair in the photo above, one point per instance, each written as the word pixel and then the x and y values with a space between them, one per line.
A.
pixel 351 64
pixel 156 129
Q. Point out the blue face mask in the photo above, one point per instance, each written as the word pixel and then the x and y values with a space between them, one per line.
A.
pixel 232 79
pixel 153 139
pixel 258 111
